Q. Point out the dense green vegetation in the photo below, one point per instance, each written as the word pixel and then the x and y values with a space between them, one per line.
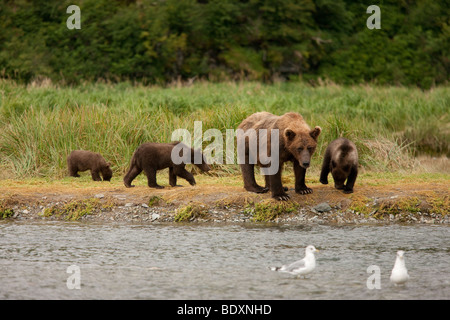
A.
pixel 41 124
pixel 160 41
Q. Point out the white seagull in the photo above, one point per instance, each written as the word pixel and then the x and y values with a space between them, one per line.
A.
pixel 399 273
pixel 301 267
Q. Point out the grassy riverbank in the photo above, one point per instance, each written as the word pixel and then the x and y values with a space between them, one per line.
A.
pixel 41 123
pixel 402 136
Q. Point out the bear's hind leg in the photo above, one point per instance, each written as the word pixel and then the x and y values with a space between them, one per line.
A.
pixel 73 170
pixel 132 173
pixel 74 173
pixel 267 178
pixel 248 174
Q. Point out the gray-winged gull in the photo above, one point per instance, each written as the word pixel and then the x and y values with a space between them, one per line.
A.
pixel 399 273
pixel 300 267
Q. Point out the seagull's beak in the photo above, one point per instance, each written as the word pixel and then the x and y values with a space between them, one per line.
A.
pixel 317 250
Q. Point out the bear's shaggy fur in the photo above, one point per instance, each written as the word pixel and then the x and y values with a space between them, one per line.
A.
pixel 297 143
pixel 151 157
pixel 341 158
pixel 82 160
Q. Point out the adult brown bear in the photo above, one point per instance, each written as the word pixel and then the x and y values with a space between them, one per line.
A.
pixel 82 160
pixel 151 157
pixel 296 142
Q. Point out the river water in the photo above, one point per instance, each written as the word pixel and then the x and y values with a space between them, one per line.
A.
pixel 207 261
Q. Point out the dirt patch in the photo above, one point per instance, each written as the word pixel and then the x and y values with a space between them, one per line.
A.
pixel 402 203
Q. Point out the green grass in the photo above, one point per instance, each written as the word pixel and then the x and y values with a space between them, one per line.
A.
pixel 40 125
pixel 5 212
pixel 154 201
pixel 189 212
pixel 269 210
pixel 73 210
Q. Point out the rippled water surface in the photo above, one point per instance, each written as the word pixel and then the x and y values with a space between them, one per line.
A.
pixel 129 261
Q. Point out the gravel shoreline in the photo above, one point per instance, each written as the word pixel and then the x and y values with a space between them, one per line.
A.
pixel 104 210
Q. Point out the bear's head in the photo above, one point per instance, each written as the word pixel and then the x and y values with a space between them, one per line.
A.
pixel 106 172
pixel 340 174
pixel 301 144
pixel 196 154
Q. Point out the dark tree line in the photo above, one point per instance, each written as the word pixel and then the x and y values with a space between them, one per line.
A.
pixel 162 40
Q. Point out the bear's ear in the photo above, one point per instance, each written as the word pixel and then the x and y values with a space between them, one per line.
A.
pixel 289 134
pixel 314 133
pixel 108 164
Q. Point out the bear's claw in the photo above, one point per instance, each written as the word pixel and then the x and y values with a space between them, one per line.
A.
pixel 304 191
pixel 283 197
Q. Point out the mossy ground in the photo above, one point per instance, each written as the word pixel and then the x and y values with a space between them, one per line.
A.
pixel 74 210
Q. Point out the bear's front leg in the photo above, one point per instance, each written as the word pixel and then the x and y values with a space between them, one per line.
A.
pixel 95 175
pixel 300 186
pixel 276 187
pixel 325 168
pixel 183 173
pixel 348 188
pixel 173 178
pixel 151 178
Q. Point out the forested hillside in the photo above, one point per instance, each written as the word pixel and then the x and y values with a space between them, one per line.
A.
pixel 160 41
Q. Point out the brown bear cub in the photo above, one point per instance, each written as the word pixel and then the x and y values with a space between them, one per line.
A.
pixel 296 143
pixel 341 158
pixel 82 160
pixel 151 157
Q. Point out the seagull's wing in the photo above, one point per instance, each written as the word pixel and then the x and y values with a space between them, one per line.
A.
pixel 295 265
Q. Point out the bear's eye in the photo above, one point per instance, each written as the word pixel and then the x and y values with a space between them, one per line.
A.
pixel 310 149
pixel 300 149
